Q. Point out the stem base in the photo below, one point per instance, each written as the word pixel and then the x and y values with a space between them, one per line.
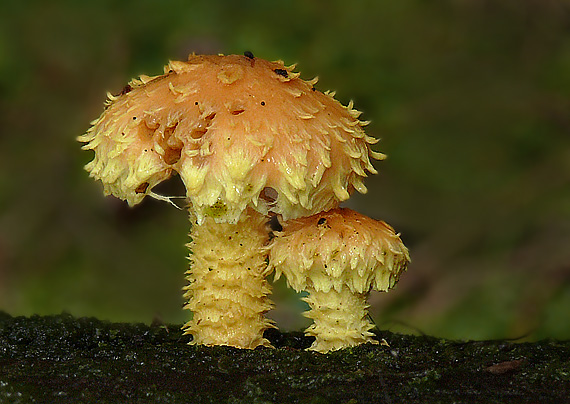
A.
pixel 340 319
pixel 227 290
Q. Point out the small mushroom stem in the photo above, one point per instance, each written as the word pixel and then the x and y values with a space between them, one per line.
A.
pixel 227 290
pixel 340 319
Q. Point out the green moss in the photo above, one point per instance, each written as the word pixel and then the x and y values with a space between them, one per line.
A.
pixel 88 360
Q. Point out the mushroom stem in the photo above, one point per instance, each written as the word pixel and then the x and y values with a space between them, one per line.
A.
pixel 340 319
pixel 227 290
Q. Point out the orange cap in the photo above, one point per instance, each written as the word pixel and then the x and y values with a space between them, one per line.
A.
pixel 241 132
pixel 338 249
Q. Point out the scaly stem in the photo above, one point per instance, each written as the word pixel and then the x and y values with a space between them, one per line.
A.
pixel 340 319
pixel 227 290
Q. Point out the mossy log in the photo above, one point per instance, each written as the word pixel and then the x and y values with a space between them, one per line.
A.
pixel 63 359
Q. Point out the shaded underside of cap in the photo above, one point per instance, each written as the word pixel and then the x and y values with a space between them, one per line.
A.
pixel 240 132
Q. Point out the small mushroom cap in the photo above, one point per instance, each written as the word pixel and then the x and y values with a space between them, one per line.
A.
pixel 338 249
pixel 240 131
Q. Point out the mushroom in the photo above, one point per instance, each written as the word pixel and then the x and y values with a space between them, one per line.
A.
pixel 250 140
pixel 338 257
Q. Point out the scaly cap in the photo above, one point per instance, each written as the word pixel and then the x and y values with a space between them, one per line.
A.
pixel 337 249
pixel 240 131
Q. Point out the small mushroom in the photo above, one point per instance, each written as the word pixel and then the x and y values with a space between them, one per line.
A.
pixel 338 257
pixel 250 140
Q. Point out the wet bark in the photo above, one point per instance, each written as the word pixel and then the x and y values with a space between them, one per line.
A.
pixel 62 359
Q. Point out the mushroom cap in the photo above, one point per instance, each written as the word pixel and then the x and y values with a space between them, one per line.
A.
pixel 240 131
pixel 338 249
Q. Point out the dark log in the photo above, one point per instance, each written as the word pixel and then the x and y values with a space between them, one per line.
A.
pixel 63 359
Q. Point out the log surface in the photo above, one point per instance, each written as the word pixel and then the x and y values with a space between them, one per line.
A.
pixel 63 359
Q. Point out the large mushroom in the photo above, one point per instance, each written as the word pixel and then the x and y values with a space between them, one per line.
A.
pixel 249 139
pixel 338 257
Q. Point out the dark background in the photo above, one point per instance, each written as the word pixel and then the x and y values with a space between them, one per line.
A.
pixel 471 99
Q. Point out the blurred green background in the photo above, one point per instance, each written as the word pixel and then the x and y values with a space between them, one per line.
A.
pixel 470 97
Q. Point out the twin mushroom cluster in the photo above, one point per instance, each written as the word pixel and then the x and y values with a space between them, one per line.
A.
pixel 252 141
